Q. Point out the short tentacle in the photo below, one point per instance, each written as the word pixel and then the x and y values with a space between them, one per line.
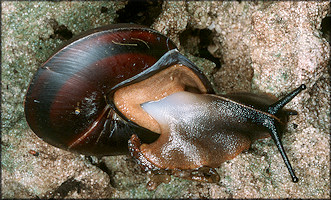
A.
pixel 290 112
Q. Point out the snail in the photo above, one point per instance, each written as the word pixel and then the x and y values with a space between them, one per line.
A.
pixel 126 89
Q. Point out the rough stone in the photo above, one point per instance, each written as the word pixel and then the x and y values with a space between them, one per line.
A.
pixel 263 47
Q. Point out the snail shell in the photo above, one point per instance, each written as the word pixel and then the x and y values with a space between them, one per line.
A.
pixel 70 100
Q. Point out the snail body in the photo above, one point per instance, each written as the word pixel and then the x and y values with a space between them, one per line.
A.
pixel 126 89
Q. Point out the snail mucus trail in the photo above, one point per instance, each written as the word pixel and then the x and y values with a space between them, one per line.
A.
pixel 126 88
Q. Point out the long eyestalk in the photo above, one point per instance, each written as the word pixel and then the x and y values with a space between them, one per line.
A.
pixel 274 108
pixel 276 138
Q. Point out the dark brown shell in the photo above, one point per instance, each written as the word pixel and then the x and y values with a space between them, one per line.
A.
pixel 67 103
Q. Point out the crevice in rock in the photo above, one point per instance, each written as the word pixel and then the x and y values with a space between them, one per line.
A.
pixel 67 186
pixel 102 165
pixel 326 27
pixel 140 12
pixel 104 9
pixel 60 31
pixel 196 42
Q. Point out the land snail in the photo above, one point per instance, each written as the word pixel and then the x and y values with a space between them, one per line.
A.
pixel 125 88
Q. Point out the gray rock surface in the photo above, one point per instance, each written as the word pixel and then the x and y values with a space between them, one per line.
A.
pixel 262 46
